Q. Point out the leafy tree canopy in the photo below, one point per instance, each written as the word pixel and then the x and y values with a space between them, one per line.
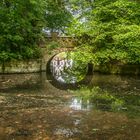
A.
pixel 58 16
pixel 106 30
pixel 109 32
pixel 21 23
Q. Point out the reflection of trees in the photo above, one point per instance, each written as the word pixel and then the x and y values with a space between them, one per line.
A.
pixel 101 99
pixel 23 81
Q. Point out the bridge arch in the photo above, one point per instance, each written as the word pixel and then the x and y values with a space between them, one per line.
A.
pixel 59 83
pixel 46 56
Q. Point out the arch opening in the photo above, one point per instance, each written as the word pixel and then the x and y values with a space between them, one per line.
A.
pixel 66 72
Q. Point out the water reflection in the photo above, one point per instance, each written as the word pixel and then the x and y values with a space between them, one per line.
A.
pixel 80 104
pixel 66 70
pixel 32 108
pixel 96 98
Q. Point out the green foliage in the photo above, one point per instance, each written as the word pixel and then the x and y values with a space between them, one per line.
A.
pixel 52 45
pixel 106 31
pixel 112 29
pixel 79 67
pixel 57 16
pixel 75 70
pixel 100 97
pixel 21 25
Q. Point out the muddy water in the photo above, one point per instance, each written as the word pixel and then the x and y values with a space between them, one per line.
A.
pixel 31 108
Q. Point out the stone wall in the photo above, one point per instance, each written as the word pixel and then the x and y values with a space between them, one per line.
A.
pixel 29 66
pixel 21 66
pixel 39 65
pixel 64 41
pixel 118 69
pixel 67 44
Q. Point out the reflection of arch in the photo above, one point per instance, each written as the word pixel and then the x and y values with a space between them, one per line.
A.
pixel 60 85
pixel 80 104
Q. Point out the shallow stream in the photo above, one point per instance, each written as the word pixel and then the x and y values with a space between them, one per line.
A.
pixel 32 108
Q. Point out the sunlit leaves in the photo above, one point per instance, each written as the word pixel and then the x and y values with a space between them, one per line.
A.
pixel 21 25
pixel 112 29
pixel 58 17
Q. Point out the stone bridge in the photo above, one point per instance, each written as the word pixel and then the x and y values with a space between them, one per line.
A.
pixel 47 56
pixel 66 43
pixel 38 65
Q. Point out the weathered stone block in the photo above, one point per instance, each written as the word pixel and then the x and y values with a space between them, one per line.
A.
pixel 21 66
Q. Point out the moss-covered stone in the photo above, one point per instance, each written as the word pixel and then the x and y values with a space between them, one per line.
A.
pixel 118 69
pixel 21 66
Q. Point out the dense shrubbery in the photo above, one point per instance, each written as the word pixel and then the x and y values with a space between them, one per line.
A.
pixel 111 31
pixel 107 30
pixel 21 23
pixel 58 17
